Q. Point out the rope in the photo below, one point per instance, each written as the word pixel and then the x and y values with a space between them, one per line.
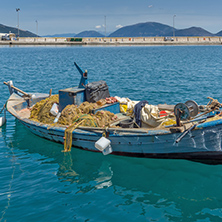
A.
pixel 213 104
pixel 10 190
pixel 3 107
pixel 68 136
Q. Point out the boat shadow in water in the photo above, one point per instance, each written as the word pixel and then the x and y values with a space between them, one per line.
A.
pixel 131 182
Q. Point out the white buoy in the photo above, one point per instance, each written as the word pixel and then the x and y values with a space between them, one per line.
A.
pixel 3 119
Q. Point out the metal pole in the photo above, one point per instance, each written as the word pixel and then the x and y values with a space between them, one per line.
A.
pixel 36 28
pixel 17 10
pixel 174 26
pixel 105 25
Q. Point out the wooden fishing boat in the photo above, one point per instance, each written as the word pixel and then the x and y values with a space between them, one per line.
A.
pixel 197 138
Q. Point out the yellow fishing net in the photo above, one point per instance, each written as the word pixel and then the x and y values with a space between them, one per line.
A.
pixel 72 113
pixel 68 136
pixel 41 111
pixel 72 116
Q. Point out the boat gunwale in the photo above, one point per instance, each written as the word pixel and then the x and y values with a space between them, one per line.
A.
pixel 12 103
pixel 115 130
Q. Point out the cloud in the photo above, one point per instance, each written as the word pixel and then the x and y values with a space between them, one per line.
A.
pixel 98 26
pixel 119 26
pixel 150 6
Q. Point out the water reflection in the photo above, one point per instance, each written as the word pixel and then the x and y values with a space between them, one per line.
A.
pixel 161 189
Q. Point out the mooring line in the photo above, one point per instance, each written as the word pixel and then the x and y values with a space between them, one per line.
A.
pixel 10 184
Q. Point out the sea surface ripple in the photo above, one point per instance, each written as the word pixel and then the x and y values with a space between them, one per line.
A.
pixel 40 183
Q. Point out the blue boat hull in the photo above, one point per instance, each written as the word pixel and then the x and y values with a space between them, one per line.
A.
pixel 203 143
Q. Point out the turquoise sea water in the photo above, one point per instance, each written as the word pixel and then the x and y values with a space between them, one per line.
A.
pixel 40 183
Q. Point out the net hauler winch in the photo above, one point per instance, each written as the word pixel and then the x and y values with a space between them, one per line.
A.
pixel 184 111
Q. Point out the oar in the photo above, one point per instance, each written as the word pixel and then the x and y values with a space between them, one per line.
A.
pixel 198 118
pixel 19 90
pixel 182 135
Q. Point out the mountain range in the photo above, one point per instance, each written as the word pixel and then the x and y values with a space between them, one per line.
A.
pixel 22 33
pixel 158 29
pixel 137 30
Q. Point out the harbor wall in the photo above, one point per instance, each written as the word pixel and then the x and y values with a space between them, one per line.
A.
pixel 198 40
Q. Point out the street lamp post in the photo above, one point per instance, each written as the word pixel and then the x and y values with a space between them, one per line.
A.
pixel 36 28
pixel 105 24
pixel 174 26
pixel 17 10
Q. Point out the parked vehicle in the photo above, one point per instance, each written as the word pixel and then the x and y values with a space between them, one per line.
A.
pixel 168 39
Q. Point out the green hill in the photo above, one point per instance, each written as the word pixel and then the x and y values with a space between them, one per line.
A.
pixel 143 29
pixel 22 33
pixel 157 29
pixel 219 33
pixel 89 34
pixel 61 35
pixel 193 31
pixel 136 30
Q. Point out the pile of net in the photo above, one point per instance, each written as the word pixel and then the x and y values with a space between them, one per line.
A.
pixel 73 114
pixel 41 111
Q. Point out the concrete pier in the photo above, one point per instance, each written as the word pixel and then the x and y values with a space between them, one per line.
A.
pixel 199 40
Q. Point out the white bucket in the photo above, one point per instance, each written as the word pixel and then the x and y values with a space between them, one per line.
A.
pixel 54 110
pixel 102 143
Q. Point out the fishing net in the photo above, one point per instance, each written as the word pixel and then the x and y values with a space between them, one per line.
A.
pixel 41 111
pixel 68 136
pixel 72 114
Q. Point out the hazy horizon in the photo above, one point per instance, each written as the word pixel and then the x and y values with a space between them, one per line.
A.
pixel 56 17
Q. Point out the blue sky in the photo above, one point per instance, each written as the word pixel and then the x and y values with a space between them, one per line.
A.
pixel 74 16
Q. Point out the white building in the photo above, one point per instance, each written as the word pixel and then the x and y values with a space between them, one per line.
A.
pixel 7 36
